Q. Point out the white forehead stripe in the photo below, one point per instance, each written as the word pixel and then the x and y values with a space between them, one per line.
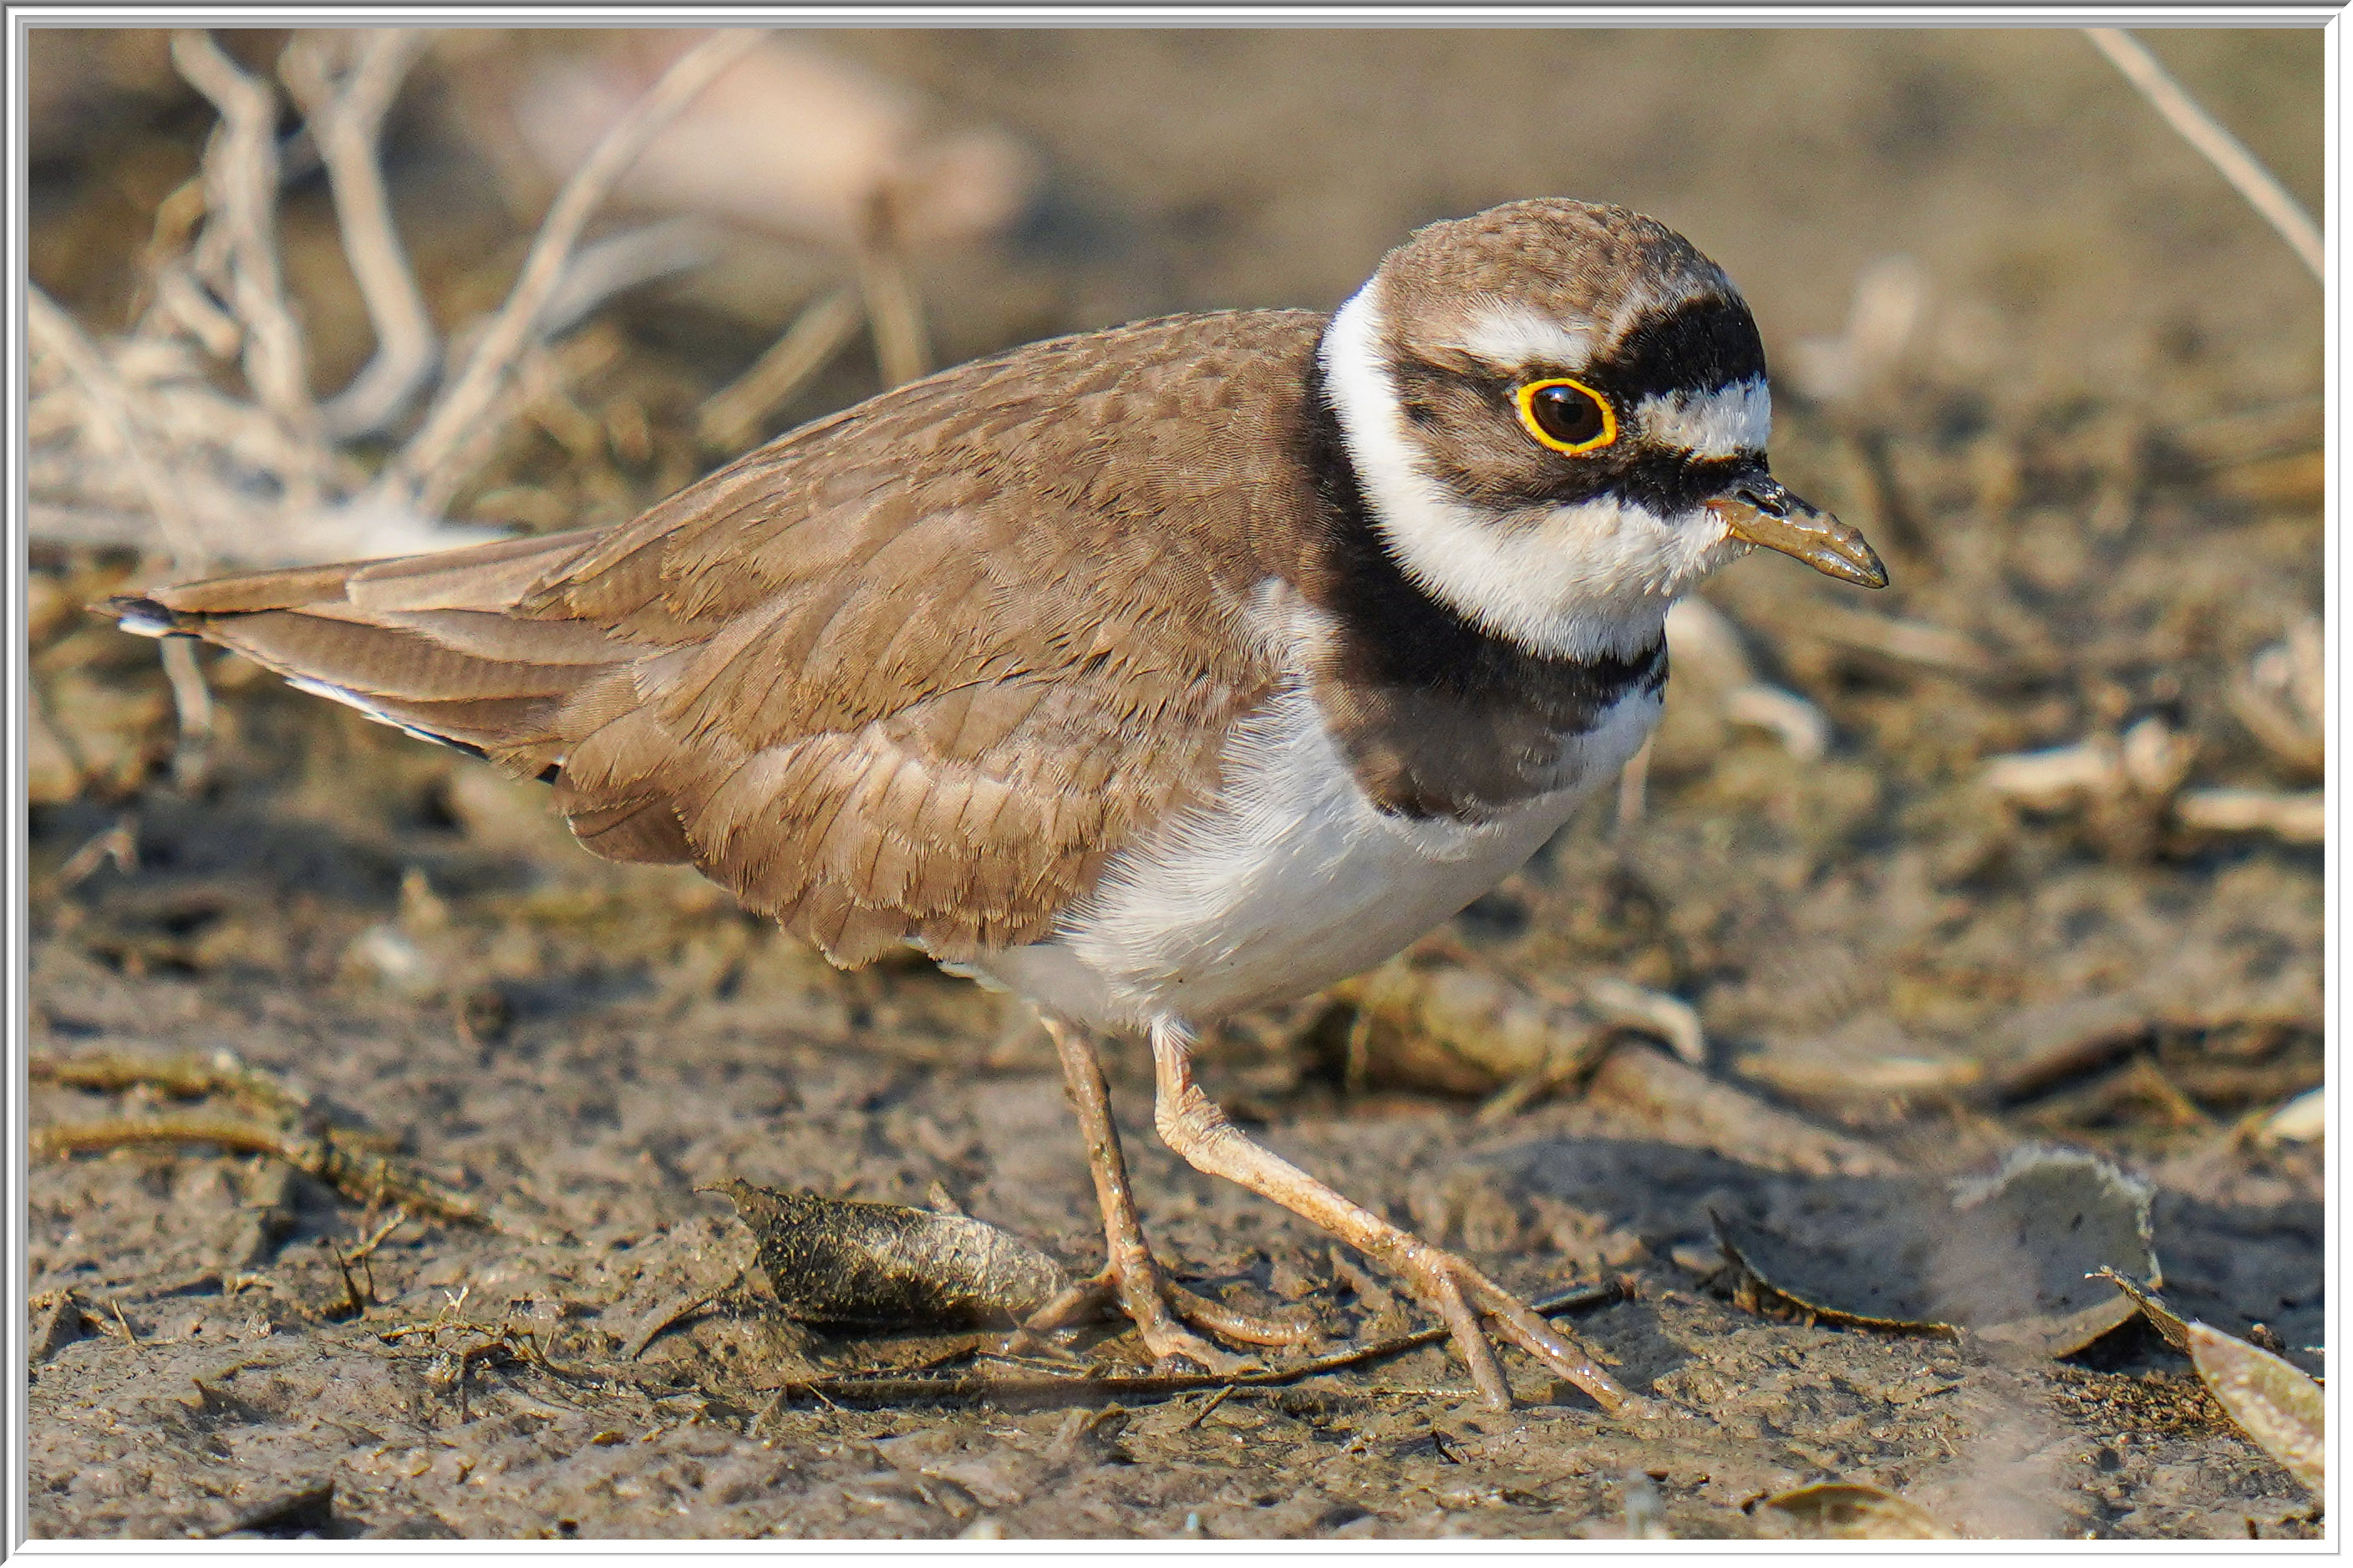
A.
pixel 1512 336
pixel 1725 423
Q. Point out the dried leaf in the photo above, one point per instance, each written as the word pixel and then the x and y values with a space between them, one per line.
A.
pixel 59 1325
pixel 835 1261
pixel 2004 1259
pixel 1868 1063
pixel 2040 1048
pixel 2164 1319
pixel 2278 1405
pixel 1690 1106
pixel 1671 1018
pixel 1768 1264
pixel 1846 1511
pixel 2043 1224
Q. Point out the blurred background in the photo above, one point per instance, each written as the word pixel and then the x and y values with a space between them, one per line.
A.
pixel 2065 235
pixel 2026 846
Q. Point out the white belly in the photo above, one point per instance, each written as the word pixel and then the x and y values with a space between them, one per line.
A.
pixel 1293 879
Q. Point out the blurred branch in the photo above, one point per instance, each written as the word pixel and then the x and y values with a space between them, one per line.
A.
pixel 1909 641
pixel 185 304
pixel 420 475
pixel 731 416
pixel 346 121
pixel 623 261
pixel 140 425
pixel 2297 816
pixel 53 331
pixel 903 349
pixel 1633 792
pixel 241 193
pixel 191 703
pixel 2218 147
pixel 2282 698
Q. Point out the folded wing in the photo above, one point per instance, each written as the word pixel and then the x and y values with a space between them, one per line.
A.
pixel 913 686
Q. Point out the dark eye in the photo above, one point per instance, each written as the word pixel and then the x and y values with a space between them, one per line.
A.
pixel 1566 416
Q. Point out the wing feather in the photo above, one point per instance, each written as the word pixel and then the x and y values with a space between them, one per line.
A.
pixel 911 674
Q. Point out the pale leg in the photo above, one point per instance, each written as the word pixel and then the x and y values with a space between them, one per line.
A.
pixel 1148 1297
pixel 1191 1124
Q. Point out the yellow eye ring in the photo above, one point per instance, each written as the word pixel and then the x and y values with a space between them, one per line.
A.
pixel 1566 424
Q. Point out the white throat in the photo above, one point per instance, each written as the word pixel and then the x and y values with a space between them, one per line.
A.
pixel 1581 581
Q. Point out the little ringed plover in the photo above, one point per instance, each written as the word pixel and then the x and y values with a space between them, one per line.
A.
pixel 1153 673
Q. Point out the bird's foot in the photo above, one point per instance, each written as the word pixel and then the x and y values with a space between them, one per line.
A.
pixel 1469 1302
pixel 1160 1309
pixel 1191 1123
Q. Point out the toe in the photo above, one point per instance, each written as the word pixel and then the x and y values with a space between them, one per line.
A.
pixel 1561 1353
pixel 1474 1297
pixel 1472 1346
pixel 1176 1345
pixel 1248 1329
pixel 1075 1303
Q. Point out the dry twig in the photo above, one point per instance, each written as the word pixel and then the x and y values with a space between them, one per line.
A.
pixel 421 477
pixel 192 700
pixel 346 120
pixel 117 845
pixel 902 347
pixel 1729 1121
pixel 128 1337
pixel 2296 817
pixel 141 422
pixel 622 261
pixel 1634 791
pixel 241 192
pixel 2141 776
pixel 1911 642
pixel 53 331
pixel 2217 146
pixel 2282 697
pixel 1629 1006
pixel 360 1177
pixel 732 416
pixel 181 1077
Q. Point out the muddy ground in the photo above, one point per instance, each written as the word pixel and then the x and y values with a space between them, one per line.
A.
pixel 2094 468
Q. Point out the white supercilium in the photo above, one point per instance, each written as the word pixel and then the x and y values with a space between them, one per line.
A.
pixel 1730 422
pixel 1515 337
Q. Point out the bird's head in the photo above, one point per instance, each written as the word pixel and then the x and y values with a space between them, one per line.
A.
pixel 1558 415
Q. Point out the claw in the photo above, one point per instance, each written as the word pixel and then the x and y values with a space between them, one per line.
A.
pixel 1073 1305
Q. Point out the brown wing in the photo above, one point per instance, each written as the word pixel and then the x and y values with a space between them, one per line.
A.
pixel 913 672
